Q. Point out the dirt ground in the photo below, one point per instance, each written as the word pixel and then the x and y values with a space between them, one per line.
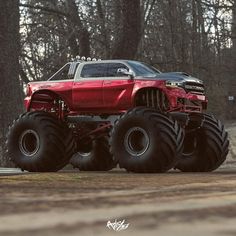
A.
pixel 81 203
pixel 72 203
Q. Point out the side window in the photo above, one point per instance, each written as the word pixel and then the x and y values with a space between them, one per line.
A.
pixel 94 70
pixel 62 74
pixel 113 67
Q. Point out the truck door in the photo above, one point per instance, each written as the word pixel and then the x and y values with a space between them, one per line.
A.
pixel 87 87
pixel 117 88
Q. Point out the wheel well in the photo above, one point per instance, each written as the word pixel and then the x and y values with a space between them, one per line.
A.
pixel 44 94
pixel 152 97
pixel 45 100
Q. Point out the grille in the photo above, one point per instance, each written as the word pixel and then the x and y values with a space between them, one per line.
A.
pixel 194 87
pixel 153 98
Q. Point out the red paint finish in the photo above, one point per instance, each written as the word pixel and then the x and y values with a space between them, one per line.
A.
pixel 60 88
pixel 102 96
pixel 117 93
pixel 87 94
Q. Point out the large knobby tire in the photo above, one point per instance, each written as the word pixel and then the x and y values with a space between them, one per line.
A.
pixel 95 156
pixel 146 141
pixel 38 142
pixel 206 148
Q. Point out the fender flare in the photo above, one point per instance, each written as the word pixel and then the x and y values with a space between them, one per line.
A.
pixel 50 93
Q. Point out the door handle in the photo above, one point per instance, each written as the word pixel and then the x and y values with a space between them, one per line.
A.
pixel 107 82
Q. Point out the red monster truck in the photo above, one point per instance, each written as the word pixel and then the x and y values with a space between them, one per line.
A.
pixel 97 114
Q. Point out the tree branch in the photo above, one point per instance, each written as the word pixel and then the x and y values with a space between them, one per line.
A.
pixel 47 9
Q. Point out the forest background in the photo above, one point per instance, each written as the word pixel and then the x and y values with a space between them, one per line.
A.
pixel 37 37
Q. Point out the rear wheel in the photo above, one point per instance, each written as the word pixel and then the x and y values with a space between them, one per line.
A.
pixel 144 140
pixel 94 156
pixel 205 148
pixel 38 142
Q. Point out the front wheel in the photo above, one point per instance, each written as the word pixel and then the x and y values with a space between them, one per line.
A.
pixel 205 148
pixel 144 140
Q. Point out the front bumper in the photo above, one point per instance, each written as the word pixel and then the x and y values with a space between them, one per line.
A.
pixel 182 101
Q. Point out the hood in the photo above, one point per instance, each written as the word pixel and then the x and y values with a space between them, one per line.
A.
pixel 178 77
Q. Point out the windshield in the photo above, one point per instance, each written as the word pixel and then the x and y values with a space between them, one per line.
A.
pixel 143 69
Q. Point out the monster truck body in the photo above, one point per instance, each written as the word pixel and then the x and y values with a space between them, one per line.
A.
pixel 117 112
pixel 113 93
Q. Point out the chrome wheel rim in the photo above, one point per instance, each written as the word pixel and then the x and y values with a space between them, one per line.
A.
pixel 86 150
pixel 84 154
pixel 136 141
pixel 189 153
pixel 29 143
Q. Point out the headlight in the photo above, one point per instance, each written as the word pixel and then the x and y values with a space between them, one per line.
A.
pixel 174 84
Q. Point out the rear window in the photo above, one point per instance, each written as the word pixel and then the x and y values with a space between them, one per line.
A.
pixel 62 74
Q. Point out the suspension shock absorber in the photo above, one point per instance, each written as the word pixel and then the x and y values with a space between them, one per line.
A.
pixel 61 110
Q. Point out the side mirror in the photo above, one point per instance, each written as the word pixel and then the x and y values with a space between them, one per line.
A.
pixel 124 71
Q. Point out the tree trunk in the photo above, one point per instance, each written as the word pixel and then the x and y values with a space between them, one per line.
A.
pixel 127 42
pixel 79 39
pixel 10 89
pixel 234 30
pixel 104 34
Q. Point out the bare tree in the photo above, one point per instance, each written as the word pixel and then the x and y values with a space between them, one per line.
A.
pixel 79 39
pixel 192 36
pixel 234 29
pixel 127 43
pixel 10 90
